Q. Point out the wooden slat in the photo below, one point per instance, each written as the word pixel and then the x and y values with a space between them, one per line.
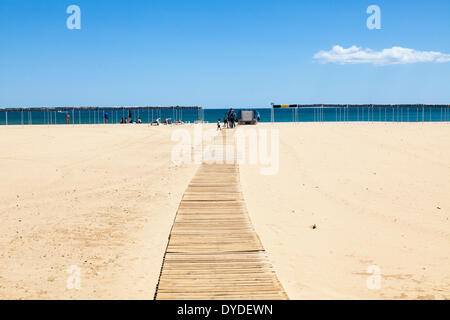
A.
pixel 213 250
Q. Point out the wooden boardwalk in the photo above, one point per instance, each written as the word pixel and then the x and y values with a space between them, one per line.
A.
pixel 213 250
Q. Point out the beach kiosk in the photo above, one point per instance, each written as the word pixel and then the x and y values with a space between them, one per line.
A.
pixel 248 117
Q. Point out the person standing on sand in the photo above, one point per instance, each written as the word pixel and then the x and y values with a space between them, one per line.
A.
pixel 231 118
pixel 105 117
pixel 67 118
pixel 225 121
pixel 218 124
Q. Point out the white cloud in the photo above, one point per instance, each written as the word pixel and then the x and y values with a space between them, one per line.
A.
pixel 395 55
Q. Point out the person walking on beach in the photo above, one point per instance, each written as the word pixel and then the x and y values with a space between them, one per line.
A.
pixel 225 121
pixel 218 125
pixel 231 118
pixel 105 117
pixel 67 118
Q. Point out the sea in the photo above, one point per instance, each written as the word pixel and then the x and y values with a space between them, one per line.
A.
pixel 303 114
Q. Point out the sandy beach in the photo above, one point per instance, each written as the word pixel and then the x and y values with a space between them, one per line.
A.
pixel 104 198
pixel 378 195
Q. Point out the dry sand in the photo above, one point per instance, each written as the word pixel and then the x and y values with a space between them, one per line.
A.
pixel 379 195
pixel 104 198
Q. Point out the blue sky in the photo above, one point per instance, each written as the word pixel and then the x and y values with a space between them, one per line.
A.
pixel 216 53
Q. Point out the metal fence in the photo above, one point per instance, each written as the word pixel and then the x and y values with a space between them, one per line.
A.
pixel 399 113
pixel 391 113
pixel 55 116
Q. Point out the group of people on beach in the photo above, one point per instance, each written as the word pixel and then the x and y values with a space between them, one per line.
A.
pixel 229 121
pixel 130 120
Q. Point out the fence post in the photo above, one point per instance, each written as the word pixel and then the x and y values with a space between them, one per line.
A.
pixel 272 115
